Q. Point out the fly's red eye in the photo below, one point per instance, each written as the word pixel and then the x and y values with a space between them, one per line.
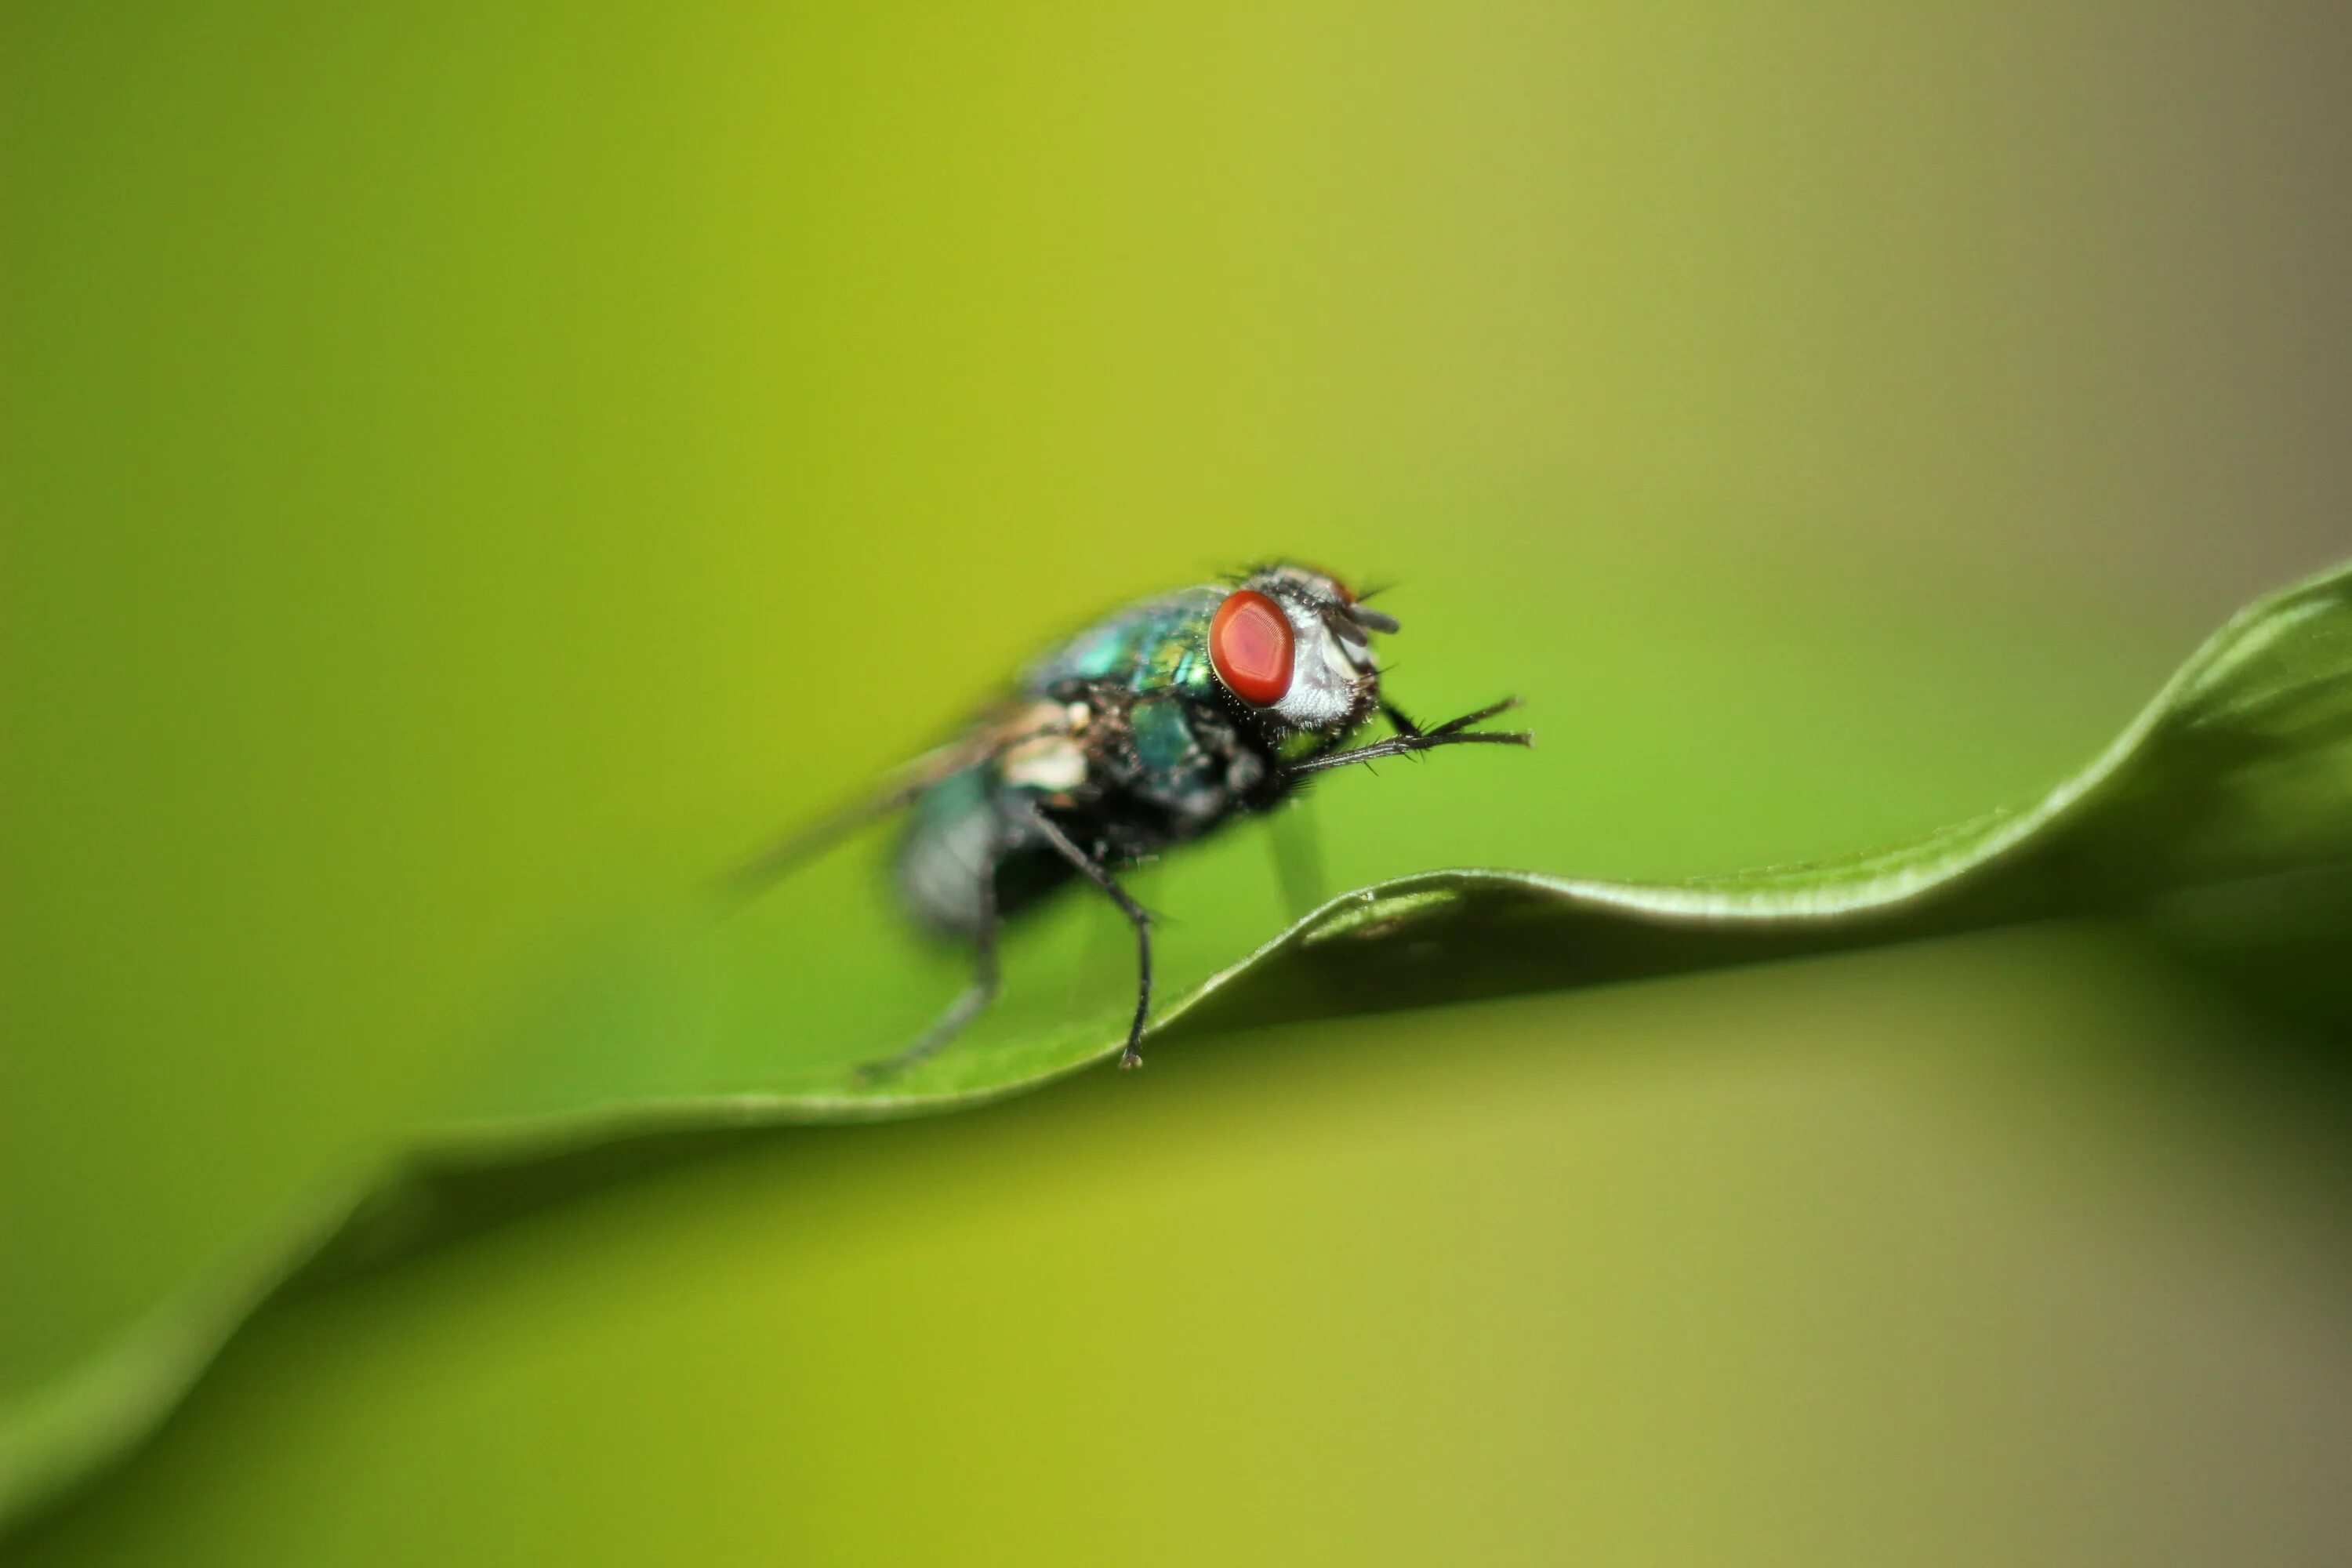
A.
pixel 1250 644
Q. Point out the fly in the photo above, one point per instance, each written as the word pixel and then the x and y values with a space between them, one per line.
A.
pixel 1152 728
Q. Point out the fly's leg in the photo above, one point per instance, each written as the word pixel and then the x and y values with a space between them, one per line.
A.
pixel 1067 848
pixel 975 998
pixel 1291 834
pixel 1298 851
pixel 1453 733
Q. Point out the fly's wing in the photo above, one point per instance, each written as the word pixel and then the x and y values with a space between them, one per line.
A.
pixel 998 731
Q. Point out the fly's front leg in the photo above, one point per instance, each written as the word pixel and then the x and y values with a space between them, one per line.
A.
pixel 1091 869
pixel 1404 743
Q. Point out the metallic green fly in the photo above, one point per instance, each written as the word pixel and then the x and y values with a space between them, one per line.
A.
pixel 1150 729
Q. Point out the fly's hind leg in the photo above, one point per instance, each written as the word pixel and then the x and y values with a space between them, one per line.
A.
pixel 974 1000
pixel 1091 869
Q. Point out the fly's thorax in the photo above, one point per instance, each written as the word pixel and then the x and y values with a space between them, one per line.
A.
pixel 1158 643
pixel 1147 767
pixel 1044 748
pixel 1191 760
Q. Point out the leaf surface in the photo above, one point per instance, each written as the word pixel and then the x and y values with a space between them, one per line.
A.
pixel 2225 807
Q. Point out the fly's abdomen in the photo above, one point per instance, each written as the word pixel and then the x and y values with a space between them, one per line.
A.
pixel 958 835
pixel 951 841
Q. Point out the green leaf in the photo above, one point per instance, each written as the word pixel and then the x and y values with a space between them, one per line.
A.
pixel 2224 809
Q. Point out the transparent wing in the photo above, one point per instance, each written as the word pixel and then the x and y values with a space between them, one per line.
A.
pixel 995 735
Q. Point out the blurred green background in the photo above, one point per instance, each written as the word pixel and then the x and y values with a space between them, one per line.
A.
pixel 467 474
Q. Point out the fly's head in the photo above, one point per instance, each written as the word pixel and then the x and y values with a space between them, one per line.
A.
pixel 1295 645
